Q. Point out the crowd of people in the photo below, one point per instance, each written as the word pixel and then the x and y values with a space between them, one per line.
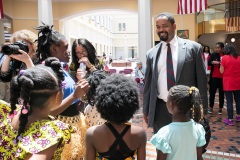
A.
pixel 56 112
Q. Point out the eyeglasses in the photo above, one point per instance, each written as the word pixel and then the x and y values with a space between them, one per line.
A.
pixel 84 53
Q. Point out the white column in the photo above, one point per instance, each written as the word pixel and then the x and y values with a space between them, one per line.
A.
pixel 45 12
pixel 144 29
pixel 2 35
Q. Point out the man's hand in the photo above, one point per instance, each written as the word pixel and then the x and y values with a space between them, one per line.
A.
pixel 145 116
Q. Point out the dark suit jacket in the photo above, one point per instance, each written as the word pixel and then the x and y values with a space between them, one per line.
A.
pixel 190 72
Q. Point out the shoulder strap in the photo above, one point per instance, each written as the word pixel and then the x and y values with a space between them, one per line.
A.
pixel 115 132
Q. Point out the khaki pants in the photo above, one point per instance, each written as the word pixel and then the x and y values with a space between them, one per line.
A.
pixel 5 91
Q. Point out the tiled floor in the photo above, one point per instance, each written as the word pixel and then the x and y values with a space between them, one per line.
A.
pixel 224 143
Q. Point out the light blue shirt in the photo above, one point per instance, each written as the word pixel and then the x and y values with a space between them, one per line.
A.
pixel 179 140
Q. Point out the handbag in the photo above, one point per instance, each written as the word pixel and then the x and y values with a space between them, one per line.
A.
pixel 206 126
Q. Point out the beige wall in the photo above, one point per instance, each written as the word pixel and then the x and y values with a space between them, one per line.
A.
pixel 25 13
pixel 182 21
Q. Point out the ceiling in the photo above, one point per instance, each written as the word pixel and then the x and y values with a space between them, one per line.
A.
pixel 210 2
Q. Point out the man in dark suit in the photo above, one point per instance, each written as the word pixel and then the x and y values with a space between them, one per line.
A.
pixel 187 69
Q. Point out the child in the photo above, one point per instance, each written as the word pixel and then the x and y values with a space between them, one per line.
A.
pixel 27 131
pixel 116 101
pixel 53 44
pixel 184 137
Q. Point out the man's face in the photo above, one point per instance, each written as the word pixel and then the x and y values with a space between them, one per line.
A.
pixel 218 49
pixel 164 29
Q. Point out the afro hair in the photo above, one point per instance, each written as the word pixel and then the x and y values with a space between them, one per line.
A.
pixel 117 98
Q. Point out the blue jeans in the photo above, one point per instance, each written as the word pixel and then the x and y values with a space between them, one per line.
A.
pixel 229 98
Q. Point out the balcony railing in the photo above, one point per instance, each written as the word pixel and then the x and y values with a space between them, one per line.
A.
pixel 222 17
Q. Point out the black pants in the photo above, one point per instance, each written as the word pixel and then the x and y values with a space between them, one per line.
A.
pixel 162 116
pixel 216 83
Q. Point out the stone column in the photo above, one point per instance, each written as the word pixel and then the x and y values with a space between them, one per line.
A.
pixel 144 29
pixel 45 12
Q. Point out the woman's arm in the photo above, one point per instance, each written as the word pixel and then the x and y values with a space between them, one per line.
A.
pixel 23 57
pixel 6 64
pixel 6 71
pixel 80 90
pixel 221 69
pixel 47 154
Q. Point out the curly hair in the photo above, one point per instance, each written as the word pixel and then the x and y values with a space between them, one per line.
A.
pixel 187 98
pixel 117 98
pixel 46 38
pixel 34 87
pixel 94 80
pixel 25 35
pixel 91 52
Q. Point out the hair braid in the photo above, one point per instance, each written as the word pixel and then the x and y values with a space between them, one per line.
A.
pixel 26 83
pixel 46 38
pixel 43 48
pixel 187 98
pixel 56 67
pixel 15 94
pixel 197 107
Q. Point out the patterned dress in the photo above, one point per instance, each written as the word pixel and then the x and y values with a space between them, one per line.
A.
pixel 39 136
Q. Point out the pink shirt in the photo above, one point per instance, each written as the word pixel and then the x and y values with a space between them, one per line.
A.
pixel 231 74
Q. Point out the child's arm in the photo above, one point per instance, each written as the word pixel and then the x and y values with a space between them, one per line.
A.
pixel 90 150
pixel 199 153
pixel 141 151
pixel 46 154
pixel 161 155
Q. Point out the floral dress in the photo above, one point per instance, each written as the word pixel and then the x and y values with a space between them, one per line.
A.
pixel 39 136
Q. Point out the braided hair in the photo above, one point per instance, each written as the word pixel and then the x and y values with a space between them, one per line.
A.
pixel 34 87
pixel 186 99
pixel 46 38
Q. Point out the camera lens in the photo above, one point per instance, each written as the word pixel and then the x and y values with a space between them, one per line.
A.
pixel 10 49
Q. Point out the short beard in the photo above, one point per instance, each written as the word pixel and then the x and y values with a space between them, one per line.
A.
pixel 163 38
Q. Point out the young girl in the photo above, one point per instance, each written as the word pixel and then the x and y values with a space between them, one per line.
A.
pixel 184 137
pixel 27 131
pixel 53 44
pixel 116 101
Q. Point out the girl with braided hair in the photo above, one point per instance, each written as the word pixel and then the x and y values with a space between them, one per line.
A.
pixel 53 44
pixel 184 137
pixel 27 131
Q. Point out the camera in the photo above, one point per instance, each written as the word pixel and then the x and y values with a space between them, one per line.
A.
pixel 13 48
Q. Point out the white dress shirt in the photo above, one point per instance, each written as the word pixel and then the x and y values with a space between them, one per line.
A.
pixel 162 70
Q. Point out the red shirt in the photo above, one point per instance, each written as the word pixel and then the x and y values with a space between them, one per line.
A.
pixel 216 70
pixel 231 74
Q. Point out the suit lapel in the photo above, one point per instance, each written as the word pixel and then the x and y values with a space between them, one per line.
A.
pixel 155 61
pixel 181 57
